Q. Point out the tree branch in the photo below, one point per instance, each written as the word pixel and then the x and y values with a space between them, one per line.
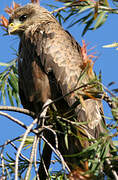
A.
pixel 24 157
pixel 31 157
pixel 59 9
pixel 17 109
pixel 13 119
pixel 35 160
pixel 21 146
pixel 9 141
pixel 17 121
pixel 56 151
pixel 100 7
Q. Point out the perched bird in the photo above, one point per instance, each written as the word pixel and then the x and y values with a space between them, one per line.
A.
pixel 50 65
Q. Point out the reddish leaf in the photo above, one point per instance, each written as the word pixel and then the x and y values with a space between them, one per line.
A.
pixel 79 174
pixel 15 5
pixel 8 10
pixel 96 10
pixel 84 51
pixel 4 21
pixel 87 59
pixel 11 9
pixel 35 1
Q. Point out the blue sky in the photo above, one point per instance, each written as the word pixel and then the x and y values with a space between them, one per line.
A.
pixel 107 61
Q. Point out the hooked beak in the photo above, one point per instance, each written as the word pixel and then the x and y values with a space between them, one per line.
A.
pixel 14 26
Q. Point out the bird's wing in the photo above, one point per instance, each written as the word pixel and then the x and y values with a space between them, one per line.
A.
pixel 61 54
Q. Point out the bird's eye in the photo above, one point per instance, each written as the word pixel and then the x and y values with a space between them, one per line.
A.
pixel 23 18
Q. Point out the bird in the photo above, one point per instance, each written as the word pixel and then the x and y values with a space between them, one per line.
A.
pixel 50 66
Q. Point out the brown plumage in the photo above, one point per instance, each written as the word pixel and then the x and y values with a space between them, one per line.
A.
pixel 49 66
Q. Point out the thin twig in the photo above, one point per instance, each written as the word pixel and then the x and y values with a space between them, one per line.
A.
pixel 71 122
pixel 35 160
pixel 31 157
pixel 9 141
pixel 2 160
pixel 106 89
pixel 21 146
pixel 44 111
pixel 108 9
pixel 56 151
pixel 44 166
pixel 59 9
pixel 17 109
pixel 14 146
pixel 46 170
pixel 103 8
pixel 42 118
pixel 56 139
pixel 13 119
pixel 113 171
pixel 70 92
pixel 17 121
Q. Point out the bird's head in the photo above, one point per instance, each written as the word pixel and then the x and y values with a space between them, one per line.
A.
pixel 29 15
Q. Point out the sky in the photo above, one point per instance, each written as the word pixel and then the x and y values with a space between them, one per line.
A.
pixel 107 61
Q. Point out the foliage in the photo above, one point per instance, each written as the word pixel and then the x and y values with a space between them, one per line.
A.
pixel 9 83
pixel 93 15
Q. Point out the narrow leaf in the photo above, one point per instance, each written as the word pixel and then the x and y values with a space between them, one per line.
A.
pixel 3 92
pixel 4 64
pixel 13 81
pixel 88 24
pixel 111 45
pixel 115 90
pixel 66 140
pixel 9 90
pixel 84 9
pixel 100 20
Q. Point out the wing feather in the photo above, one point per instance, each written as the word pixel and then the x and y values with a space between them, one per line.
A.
pixel 61 54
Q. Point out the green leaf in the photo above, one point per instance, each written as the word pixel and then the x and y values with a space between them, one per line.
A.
pixel 34 178
pixel 29 177
pixel 9 90
pixel 81 20
pixel 28 142
pixel 105 149
pixel 17 99
pixel 12 160
pixel 84 8
pixel 70 15
pixel 115 110
pixel 115 99
pixel 100 20
pixel 115 143
pixel 74 23
pixel 13 81
pixel 111 45
pixel 66 140
pixel 111 83
pixel 88 24
pixel 3 92
pixel 100 76
pixel 115 90
pixel 4 64
pixel 15 70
